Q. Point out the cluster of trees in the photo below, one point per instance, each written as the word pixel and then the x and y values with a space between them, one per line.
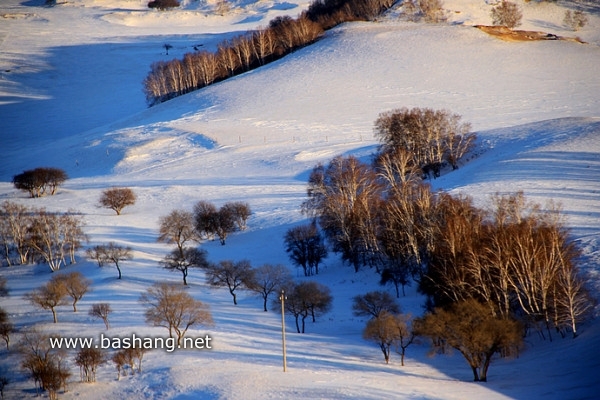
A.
pixel 517 258
pixel 39 181
pixel 304 299
pixel 55 292
pixel 168 79
pixel 329 13
pixel 466 326
pixel 362 208
pixel 263 280
pixel 306 247
pixel 166 305
pixel 29 235
pixel 211 222
pixel 253 49
pixel 163 5
pixel 424 138
pixel 49 366
pixel 184 228
pixel 387 327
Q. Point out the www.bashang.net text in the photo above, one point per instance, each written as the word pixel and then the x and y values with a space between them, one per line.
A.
pixel 134 341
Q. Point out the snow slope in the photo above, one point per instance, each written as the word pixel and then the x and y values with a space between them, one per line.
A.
pixel 70 97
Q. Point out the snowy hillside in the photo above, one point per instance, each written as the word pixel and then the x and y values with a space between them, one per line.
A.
pixel 71 97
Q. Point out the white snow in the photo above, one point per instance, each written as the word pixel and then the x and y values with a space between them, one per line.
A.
pixel 71 97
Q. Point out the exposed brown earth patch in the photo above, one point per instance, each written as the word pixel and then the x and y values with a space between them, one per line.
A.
pixel 505 33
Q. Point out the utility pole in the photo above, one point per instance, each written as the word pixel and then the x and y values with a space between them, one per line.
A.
pixel 282 298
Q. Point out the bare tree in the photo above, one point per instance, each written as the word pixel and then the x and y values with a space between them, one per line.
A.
pixel 230 274
pixel 227 58
pixel 268 279
pixel 155 87
pixel 406 335
pixel 72 224
pixel 574 303
pixel 305 247
pixel 178 228
pixel 206 219
pixel 182 260
pixel 117 198
pixel 469 328
pixel 102 311
pixel 120 361
pixel 49 238
pixel 264 44
pixel 111 253
pixel 15 232
pixel 6 327
pixel 373 304
pixel 397 167
pixel 240 211
pixel 49 296
pixel 384 331
pixel 76 286
pixel 226 223
pixel 170 306
pixel 88 360
pixel 209 67
pixel 244 47
pixel 507 13
pixel 55 177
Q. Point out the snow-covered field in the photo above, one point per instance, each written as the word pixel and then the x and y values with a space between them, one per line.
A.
pixel 71 97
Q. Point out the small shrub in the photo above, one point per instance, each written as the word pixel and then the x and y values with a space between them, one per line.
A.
pixel 433 11
pixel 88 360
pixel 222 7
pixel 507 14
pixel 575 20
pixel 3 287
